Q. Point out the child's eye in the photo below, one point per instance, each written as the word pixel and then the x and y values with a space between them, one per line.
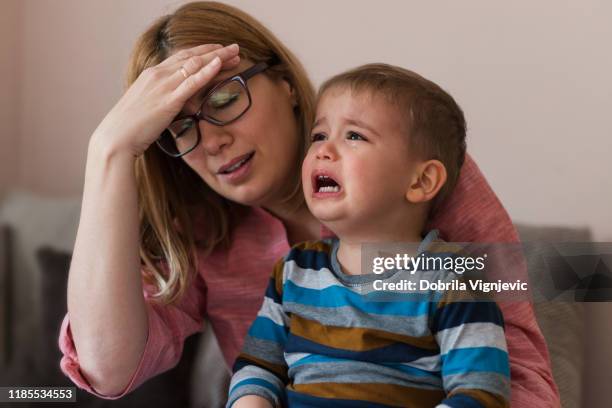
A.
pixel 355 136
pixel 317 137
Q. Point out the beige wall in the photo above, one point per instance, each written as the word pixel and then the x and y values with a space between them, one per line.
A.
pixel 9 94
pixel 533 77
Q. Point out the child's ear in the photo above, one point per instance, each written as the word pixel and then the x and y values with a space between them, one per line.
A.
pixel 428 179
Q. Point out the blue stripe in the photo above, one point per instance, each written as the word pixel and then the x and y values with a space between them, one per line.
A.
pixel 475 359
pixel 272 293
pixel 416 372
pixel 413 371
pixel 458 313
pixel 462 401
pixel 240 363
pixel 392 353
pixel 309 258
pixel 299 400
pixel 336 296
pixel 265 329
pixel 259 382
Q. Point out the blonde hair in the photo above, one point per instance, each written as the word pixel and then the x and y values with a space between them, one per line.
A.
pixel 171 195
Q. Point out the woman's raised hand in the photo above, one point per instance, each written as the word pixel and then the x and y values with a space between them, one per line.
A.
pixel 158 95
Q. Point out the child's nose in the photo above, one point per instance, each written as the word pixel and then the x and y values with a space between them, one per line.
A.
pixel 326 151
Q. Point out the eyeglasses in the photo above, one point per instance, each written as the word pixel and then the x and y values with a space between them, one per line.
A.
pixel 222 105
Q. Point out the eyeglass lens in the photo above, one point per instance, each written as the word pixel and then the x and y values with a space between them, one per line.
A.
pixel 222 106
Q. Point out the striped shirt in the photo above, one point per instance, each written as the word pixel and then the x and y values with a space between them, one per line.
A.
pixel 323 338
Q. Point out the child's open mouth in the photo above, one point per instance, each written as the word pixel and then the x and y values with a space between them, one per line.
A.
pixel 325 184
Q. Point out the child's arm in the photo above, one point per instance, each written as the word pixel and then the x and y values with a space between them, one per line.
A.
pixel 475 365
pixel 252 401
pixel 260 370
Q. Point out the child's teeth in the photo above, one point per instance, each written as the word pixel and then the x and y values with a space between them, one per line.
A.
pixel 329 189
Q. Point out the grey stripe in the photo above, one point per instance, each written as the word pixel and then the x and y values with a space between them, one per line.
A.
pixel 324 278
pixel 491 382
pixel 267 350
pixel 359 372
pixel 472 335
pixel 252 389
pixel 349 317
pixel 252 371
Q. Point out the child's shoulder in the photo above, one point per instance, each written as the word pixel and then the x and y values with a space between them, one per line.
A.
pixel 311 254
pixel 321 245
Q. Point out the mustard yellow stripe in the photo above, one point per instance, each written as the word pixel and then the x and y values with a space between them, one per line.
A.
pixel 389 394
pixel 277 275
pixel 487 399
pixel 438 246
pixel 319 246
pixel 354 338
pixel 277 369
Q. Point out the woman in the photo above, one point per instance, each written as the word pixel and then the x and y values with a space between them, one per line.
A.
pixel 204 210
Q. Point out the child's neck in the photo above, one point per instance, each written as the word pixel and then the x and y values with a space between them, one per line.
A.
pixel 349 251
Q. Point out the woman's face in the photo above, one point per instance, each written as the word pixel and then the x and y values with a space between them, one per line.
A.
pixel 250 161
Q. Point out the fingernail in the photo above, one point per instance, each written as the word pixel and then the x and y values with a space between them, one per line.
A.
pixel 233 47
pixel 215 61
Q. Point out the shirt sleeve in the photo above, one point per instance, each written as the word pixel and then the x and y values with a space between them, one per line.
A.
pixel 473 213
pixel 474 358
pixel 169 326
pixel 261 368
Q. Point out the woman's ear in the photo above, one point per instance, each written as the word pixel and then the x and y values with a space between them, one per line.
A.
pixel 288 86
pixel 428 179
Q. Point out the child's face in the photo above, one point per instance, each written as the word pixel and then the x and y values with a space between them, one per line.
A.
pixel 359 166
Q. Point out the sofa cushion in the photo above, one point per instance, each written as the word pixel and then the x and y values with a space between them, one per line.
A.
pixel 561 322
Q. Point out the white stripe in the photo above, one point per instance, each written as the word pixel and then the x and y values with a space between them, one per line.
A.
pixel 317 279
pixel 430 363
pixel 274 312
pixel 292 358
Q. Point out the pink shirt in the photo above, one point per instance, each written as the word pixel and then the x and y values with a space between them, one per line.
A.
pixel 230 284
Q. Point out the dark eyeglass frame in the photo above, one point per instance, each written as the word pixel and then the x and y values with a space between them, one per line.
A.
pixel 242 78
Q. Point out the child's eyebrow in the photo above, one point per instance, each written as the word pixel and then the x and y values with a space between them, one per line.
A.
pixel 319 121
pixel 362 125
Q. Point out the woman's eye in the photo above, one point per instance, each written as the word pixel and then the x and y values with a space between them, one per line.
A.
pixel 317 137
pixel 221 100
pixel 354 136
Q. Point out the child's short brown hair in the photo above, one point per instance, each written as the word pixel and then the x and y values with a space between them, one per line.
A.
pixel 435 122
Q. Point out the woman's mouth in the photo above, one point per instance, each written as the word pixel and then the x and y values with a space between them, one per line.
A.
pixel 236 169
pixel 235 164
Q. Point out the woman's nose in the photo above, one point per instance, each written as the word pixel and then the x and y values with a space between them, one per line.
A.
pixel 214 138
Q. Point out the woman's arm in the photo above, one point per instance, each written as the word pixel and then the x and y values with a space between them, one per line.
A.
pixel 473 213
pixel 108 314
pixel 105 302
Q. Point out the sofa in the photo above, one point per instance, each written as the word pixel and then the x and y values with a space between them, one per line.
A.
pixel 36 238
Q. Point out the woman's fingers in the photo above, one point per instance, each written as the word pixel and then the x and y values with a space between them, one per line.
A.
pixel 194 63
pixel 228 57
pixel 194 82
pixel 187 53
